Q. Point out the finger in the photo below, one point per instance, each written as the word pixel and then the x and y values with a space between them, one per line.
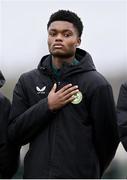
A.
pixel 69 100
pixel 69 95
pixel 69 90
pixel 54 87
pixel 64 88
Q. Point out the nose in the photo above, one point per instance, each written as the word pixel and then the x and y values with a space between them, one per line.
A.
pixel 59 37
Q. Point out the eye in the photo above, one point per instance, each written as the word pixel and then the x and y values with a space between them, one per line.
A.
pixel 67 34
pixel 52 33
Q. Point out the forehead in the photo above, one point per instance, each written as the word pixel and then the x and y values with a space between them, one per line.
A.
pixel 61 25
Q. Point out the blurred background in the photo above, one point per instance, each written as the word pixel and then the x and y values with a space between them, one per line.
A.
pixel 23 41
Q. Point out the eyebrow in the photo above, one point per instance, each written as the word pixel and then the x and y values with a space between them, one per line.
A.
pixel 63 30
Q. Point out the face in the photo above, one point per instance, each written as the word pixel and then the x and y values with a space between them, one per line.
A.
pixel 62 39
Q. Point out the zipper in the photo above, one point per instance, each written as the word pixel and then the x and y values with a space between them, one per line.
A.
pixel 53 139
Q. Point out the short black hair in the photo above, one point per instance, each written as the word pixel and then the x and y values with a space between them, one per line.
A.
pixel 66 15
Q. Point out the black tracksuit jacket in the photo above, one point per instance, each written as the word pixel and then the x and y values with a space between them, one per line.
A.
pixel 122 114
pixel 9 154
pixel 77 141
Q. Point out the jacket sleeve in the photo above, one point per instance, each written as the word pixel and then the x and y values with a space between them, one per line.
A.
pixel 122 114
pixel 25 120
pixel 105 131
pixel 9 153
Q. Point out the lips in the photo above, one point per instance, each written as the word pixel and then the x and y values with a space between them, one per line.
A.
pixel 58 45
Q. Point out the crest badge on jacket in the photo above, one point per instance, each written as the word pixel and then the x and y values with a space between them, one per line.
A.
pixel 77 98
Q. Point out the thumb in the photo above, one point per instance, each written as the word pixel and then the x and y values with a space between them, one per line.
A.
pixel 54 87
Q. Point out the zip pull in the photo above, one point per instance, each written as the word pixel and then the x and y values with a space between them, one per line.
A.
pixel 59 83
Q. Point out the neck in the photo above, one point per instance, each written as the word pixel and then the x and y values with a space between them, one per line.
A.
pixel 58 62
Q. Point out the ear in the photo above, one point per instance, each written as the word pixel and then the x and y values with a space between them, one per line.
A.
pixel 78 41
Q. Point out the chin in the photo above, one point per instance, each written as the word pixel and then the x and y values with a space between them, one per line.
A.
pixel 62 54
pixel 58 54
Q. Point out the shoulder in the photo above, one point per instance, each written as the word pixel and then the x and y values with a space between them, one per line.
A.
pixel 124 85
pixel 3 99
pixel 28 77
pixel 96 84
pixel 27 81
pixel 97 80
pixel 29 74
pixel 123 91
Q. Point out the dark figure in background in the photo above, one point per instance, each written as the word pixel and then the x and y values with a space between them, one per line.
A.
pixel 64 109
pixel 9 154
pixel 122 114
